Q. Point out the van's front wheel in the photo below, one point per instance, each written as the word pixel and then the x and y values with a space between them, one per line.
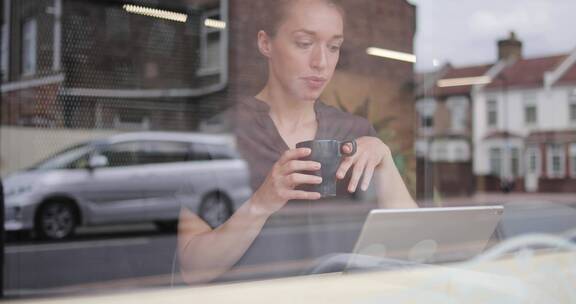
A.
pixel 56 220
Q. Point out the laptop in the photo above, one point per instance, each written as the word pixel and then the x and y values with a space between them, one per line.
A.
pixel 424 235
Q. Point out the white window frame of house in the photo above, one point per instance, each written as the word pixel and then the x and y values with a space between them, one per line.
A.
pixel 572 105
pixel 458 112
pixel 491 107
pixel 530 101
pixel 533 153
pixel 29 43
pixel 425 108
pixel 552 151
pixel 491 168
pixel 573 160
pixel 515 157
pixel 205 69
pixel 423 120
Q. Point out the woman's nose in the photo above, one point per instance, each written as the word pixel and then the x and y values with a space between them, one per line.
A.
pixel 319 60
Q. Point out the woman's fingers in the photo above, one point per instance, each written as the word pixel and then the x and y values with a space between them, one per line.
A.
pixel 303 195
pixel 356 174
pixel 296 179
pixel 344 166
pixel 293 154
pixel 300 165
pixel 368 173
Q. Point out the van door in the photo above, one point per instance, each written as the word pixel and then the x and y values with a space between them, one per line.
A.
pixel 169 178
pixel 115 192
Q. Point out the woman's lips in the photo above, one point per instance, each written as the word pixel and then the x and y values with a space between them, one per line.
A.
pixel 314 82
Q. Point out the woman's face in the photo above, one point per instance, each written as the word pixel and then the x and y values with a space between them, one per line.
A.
pixel 304 53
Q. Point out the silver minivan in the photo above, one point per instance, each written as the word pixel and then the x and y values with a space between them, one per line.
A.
pixel 131 177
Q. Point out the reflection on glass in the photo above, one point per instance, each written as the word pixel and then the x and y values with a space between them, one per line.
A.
pixel 124 122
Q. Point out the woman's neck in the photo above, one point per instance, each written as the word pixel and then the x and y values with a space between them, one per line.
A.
pixel 288 113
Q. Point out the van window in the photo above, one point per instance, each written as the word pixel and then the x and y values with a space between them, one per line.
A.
pixel 122 154
pixel 156 152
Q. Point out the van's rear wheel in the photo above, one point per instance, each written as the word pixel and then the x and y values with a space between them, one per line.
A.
pixel 215 209
pixel 56 220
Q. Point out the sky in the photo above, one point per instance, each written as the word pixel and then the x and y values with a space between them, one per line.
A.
pixel 464 32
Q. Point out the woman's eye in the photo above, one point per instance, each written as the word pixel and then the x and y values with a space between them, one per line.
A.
pixel 334 48
pixel 303 44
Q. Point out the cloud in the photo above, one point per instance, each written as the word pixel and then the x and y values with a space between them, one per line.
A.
pixel 465 32
pixel 527 18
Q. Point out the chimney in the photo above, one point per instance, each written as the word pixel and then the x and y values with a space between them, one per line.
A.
pixel 510 48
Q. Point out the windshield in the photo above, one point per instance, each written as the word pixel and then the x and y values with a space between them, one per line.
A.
pixel 66 159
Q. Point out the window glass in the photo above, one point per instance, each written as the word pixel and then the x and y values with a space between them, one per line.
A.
pixel 573 159
pixel 530 114
pixel 515 161
pixel 556 160
pixel 70 158
pixel 148 146
pixel 4 62
pixel 572 106
pixel 123 154
pixel 29 30
pixel 533 166
pixel 156 152
pixel 492 114
pixel 495 161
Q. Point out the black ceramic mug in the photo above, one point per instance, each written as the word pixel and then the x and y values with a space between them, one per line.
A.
pixel 329 154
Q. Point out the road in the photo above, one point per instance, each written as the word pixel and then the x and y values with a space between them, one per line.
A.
pixel 126 257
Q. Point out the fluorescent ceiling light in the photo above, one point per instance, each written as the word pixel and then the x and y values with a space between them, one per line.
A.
pixel 156 13
pixel 213 23
pixel 391 54
pixel 464 81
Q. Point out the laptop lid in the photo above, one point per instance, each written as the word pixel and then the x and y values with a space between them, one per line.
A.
pixel 426 235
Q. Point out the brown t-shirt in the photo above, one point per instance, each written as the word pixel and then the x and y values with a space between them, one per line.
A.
pixel 261 145
pixel 286 237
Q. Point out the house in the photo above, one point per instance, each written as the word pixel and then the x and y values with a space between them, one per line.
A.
pixel 443 144
pixel 524 127
pixel 506 126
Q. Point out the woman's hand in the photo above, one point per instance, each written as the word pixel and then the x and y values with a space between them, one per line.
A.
pixel 283 178
pixel 371 153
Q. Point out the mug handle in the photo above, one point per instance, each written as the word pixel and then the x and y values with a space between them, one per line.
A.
pixel 342 144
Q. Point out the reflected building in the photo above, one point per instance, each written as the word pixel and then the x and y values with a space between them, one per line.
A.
pixel 96 66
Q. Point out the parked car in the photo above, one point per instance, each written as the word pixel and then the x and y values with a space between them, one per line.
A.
pixel 131 177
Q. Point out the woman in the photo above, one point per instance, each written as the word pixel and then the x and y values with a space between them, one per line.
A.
pixel 302 47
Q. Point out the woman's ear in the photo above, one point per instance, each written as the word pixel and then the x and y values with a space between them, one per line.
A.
pixel 264 45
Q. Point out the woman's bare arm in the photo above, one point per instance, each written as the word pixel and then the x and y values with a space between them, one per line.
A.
pixel 204 253
pixel 207 253
pixel 391 189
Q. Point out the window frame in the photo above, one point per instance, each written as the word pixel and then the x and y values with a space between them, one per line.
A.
pixel 551 153
pixel 572 107
pixel 204 69
pixel 492 108
pixel 4 63
pixel 29 46
pixel 534 152
pixel 572 159
pixel 495 171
